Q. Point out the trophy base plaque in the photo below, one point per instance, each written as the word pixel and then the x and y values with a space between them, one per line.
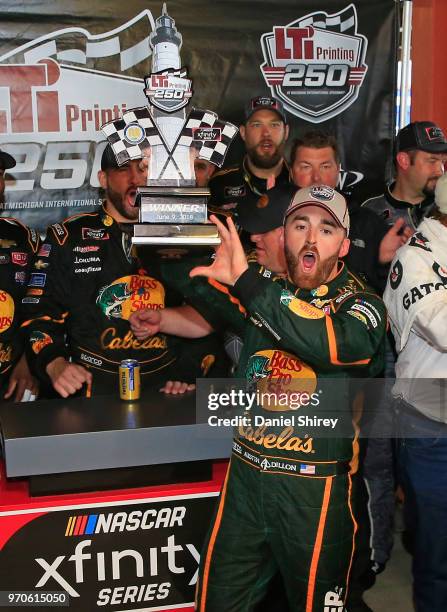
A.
pixel 172 204
pixel 174 216
pixel 185 234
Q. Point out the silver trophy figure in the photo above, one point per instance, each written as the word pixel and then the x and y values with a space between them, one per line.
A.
pixel 173 210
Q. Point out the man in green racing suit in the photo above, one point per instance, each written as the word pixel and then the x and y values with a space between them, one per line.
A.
pixel 286 500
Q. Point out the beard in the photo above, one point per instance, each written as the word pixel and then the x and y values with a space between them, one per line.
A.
pixel 320 274
pixel 429 188
pixel 268 159
pixel 130 213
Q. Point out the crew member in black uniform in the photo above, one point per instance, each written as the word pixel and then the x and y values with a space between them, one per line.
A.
pixel 18 244
pixel 421 154
pixel 90 280
pixel 264 133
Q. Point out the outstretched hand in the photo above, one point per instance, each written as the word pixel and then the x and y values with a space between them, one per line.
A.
pixel 230 260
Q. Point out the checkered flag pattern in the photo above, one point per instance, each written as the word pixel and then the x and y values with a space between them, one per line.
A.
pixel 344 21
pixel 212 150
pixel 115 133
pixel 130 43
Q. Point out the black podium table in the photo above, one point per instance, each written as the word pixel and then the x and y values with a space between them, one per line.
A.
pixel 104 432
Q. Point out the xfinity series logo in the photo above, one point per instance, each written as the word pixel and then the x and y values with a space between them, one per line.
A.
pixel 316 64
pixel 142 555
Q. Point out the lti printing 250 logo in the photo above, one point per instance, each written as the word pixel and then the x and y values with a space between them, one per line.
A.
pixel 55 93
pixel 316 64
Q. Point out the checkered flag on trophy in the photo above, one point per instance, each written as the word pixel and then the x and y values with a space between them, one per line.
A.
pixel 209 135
pixel 132 135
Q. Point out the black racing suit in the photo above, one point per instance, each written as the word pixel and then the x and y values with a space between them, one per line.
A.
pixel 366 232
pixel 390 209
pixel 286 501
pixel 230 186
pixel 90 279
pixel 18 244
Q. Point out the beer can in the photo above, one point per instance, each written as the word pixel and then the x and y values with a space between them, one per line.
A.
pixel 129 379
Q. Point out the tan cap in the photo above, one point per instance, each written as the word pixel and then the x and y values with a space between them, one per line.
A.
pixel 324 196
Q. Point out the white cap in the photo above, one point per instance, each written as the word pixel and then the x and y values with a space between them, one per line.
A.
pixel 324 196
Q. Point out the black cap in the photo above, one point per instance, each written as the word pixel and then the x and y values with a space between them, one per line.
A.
pixel 265 103
pixel 108 159
pixel 258 214
pixel 423 136
pixel 6 161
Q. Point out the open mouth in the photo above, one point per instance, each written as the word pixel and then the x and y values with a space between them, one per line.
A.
pixel 308 261
pixel 130 196
pixel 266 145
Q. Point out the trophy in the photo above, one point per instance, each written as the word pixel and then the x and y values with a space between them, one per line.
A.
pixel 172 210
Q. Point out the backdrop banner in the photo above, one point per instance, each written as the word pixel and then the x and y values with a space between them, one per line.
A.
pixel 68 67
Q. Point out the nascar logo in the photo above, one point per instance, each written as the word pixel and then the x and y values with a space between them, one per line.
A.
pixel 90 524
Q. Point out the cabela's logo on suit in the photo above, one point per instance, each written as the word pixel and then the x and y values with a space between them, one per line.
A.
pixel 316 64
pixel 129 294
